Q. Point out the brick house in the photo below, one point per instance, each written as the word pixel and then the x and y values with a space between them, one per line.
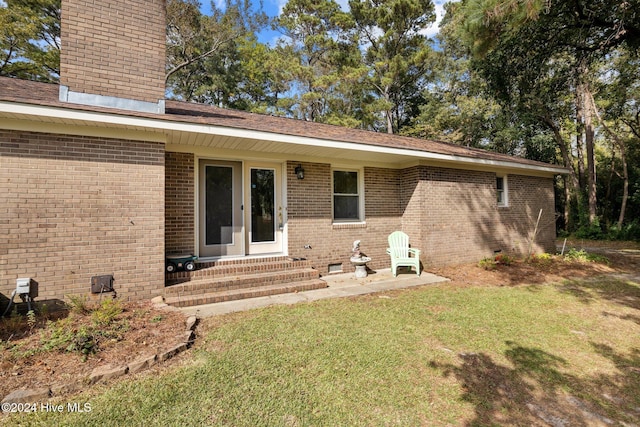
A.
pixel 102 175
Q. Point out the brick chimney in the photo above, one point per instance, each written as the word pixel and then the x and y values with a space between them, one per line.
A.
pixel 113 53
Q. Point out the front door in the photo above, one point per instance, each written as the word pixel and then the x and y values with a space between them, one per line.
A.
pixel 220 216
pixel 233 222
pixel 264 217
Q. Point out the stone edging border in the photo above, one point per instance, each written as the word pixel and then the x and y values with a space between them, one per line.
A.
pixel 107 372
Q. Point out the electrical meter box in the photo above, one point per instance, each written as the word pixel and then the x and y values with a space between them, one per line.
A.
pixel 100 284
pixel 23 285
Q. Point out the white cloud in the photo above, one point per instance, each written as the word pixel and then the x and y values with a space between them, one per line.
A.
pixel 281 4
pixel 344 4
pixel 435 27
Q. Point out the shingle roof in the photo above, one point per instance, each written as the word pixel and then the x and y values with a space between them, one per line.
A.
pixel 44 94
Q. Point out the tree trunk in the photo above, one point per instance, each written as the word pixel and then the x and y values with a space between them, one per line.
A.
pixel 623 157
pixel 591 171
pixel 625 188
pixel 567 203
pixel 389 121
pixel 572 185
pixel 388 111
pixel 589 136
pixel 612 171
pixel 579 136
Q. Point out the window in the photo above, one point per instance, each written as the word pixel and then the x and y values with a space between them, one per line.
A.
pixel 346 196
pixel 502 190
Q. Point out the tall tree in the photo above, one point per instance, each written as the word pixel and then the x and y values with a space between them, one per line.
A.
pixel 320 49
pixel 456 107
pixel 397 53
pixel 30 39
pixel 193 38
pixel 618 112
pixel 520 45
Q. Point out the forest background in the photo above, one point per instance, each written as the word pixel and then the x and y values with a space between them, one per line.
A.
pixel 555 81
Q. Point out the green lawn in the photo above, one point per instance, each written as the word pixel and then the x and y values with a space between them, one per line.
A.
pixel 435 356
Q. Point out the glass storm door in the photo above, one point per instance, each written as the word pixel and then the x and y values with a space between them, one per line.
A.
pixel 220 216
pixel 264 218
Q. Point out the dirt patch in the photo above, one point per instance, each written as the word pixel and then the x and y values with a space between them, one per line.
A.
pixel 623 257
pixel 140 330
pixel 521 273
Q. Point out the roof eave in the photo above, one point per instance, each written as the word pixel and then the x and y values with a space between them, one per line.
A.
pixel 164 124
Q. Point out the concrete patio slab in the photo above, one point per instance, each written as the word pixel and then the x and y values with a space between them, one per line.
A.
pixel 339 286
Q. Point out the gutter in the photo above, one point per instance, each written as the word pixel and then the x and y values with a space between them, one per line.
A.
pixel 166 125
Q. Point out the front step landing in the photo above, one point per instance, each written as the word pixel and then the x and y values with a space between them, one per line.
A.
pixel 238 294
pixel 228 282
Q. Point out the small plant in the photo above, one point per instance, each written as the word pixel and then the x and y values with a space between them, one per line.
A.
pixel 584 256
pixel 156 319
pixel 543 258
pixel 78 304
pixel 107 312
pixel 31 319
pixel 503 259
pixel 83 342
pixel 57 335
pixel 487 263
pixel 44 311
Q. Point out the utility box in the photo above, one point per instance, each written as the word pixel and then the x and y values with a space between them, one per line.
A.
pixel 100 284
pixel 23 285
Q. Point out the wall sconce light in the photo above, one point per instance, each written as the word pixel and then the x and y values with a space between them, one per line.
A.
pixel 300 172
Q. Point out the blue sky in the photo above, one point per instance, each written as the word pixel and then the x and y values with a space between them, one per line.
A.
pixel 274 7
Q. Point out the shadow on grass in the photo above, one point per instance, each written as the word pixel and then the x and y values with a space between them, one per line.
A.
pixel 536 390
pixel 622 292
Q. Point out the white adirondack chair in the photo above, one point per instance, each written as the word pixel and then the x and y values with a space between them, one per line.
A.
pixel 400 253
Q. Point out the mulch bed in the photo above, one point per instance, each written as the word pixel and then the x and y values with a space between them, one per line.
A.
pixel 24 364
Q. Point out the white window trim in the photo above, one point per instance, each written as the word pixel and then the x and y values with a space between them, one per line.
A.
pixel 361 214
pixel 505 191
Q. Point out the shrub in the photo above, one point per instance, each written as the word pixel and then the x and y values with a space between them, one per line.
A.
pixel 83 342
pixel 106 313
pixel 504 259
pixel 31 319
pixel 591 231
pixel 78 304
pixel 630 231
pixel 487 263
pixel 584 256
pixel 543 258
pixel 57 336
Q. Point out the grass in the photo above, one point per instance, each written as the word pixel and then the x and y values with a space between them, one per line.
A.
pixel 440 355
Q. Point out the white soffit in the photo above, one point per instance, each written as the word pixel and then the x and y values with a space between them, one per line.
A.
pixel 210 135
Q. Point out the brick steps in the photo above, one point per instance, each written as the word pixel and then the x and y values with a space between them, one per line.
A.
pixel 228 283
pixel 244 293
pixel 226 268
pixel 229 280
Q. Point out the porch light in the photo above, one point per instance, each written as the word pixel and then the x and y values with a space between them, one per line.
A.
pixel 300 172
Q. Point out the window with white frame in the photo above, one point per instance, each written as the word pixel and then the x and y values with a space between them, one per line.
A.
pixel 347 203
pixel 502 192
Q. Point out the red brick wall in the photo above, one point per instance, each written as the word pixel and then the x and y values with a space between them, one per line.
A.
pixel 73 207
pixel 310 217
pixel 527 195
pixel 114 48
pixel 179 202
pixel 452 215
